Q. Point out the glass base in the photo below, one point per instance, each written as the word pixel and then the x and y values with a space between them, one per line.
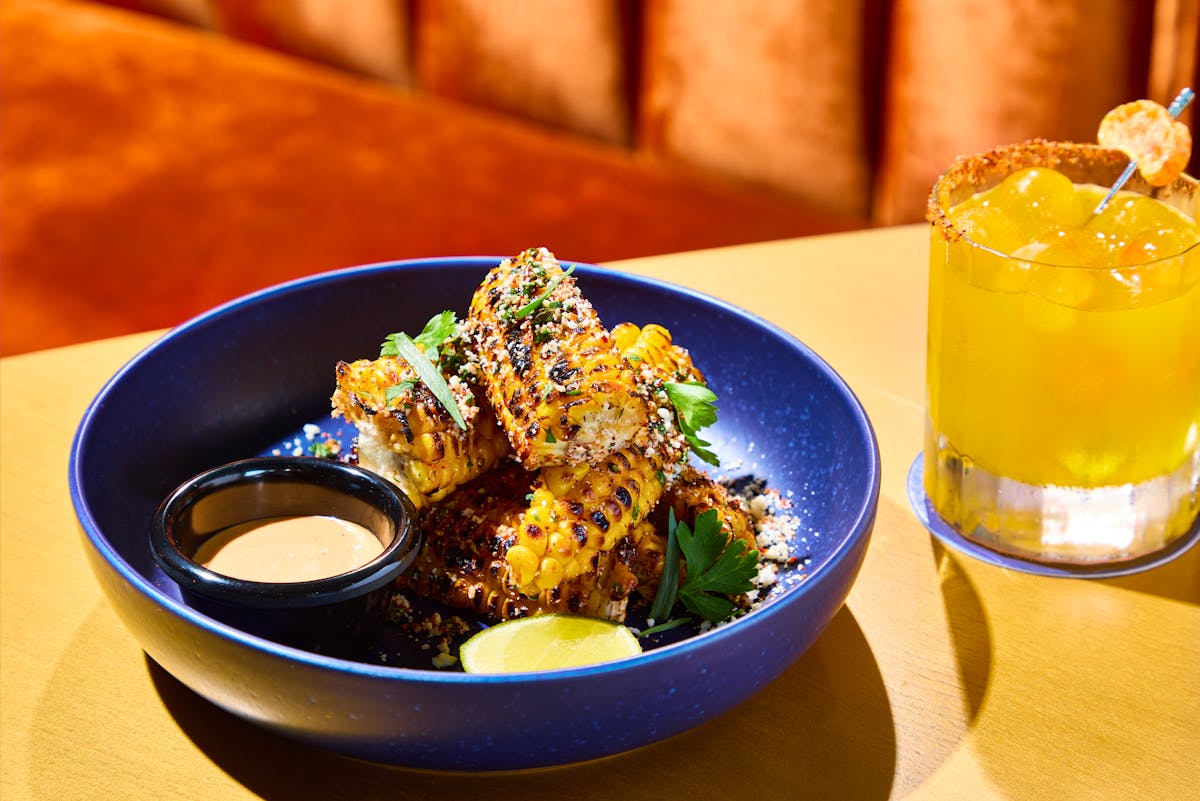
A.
pixel 923 508
pixel 1064 524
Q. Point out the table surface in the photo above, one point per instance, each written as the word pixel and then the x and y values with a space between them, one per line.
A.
pixel 942 677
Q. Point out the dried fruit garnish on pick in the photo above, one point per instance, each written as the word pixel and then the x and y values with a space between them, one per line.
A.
pixel 1157 144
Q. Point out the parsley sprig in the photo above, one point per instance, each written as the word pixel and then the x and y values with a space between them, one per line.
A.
pixel 695 408
pixel 717 567
pixel 423 360
pixel 439 328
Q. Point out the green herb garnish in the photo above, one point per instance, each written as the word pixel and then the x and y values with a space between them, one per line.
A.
pixel 399 390
pixel 323 449
pixel 668 584
pixel 423 360
pixel 536 303
pixel 716 567
pixel 429 374
pixel 439 328
pixel 695 408
pixel 674 622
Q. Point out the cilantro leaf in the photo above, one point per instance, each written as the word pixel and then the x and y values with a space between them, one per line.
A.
pixel 700 547
pixel 710 607
pixel 422 355
pixel 716 567
pixel 439 328
pixel 428 373
pixel 695 408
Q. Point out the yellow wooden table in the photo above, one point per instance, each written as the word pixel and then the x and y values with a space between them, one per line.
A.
pixel 942 677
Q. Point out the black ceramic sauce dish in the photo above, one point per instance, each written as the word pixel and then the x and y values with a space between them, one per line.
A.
pixel 338 616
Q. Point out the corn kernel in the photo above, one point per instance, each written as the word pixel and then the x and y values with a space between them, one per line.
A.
pixel 561 546
pixel 572 569
pixel 550 574
pixel 524 564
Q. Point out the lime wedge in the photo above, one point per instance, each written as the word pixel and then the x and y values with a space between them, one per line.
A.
pixel 546 642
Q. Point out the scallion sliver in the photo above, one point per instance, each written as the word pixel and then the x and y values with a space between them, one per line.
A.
pixel 430 375
pixel 668 584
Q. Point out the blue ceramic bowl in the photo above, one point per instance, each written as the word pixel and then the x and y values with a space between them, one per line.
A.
pixel 253 372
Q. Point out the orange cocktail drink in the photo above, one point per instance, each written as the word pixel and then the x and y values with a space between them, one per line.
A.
pixel 1063 368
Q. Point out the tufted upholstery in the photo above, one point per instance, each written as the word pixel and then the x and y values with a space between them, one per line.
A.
pixel 157 158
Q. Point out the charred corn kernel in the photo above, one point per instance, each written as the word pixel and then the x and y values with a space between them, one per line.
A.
pixel 624 335
pixel 468 540
pixel 573 568
pixel 560 544
pixel 412 440
pixel 583 513
pixel 561 391
pixel 659 361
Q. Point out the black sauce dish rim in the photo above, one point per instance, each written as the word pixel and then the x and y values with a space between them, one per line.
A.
pixel 256 488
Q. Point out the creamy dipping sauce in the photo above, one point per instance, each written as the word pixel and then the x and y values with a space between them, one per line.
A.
pixel 289 549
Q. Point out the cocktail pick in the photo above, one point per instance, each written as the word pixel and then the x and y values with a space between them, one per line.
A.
pixel 1176 108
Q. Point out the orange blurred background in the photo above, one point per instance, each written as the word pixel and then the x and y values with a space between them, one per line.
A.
pixel 158 157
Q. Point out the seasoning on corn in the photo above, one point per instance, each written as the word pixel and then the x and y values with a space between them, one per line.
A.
pixel 562 393
pixel 462 558
pixel 410 438
pixel 577 511
pixel 554 496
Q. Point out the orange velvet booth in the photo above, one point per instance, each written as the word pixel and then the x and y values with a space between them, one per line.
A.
pixel 160 156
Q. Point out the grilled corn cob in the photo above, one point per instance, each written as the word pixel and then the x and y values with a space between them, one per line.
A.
pixel 412 440
pixel 576 511
pixel 562 392
pixel 462 559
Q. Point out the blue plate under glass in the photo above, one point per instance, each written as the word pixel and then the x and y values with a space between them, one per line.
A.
pixel 950 536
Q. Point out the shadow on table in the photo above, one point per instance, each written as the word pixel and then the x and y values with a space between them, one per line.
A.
pixel 824 729
pixel 970 635
pixel 1178 579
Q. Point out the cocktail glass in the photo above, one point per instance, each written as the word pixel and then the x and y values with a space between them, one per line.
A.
pixel 1063 402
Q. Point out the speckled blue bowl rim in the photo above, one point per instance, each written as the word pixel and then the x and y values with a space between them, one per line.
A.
pixel 943 531
pixel 860 528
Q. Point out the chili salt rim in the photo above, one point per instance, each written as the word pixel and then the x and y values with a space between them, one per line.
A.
pixel 975 169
